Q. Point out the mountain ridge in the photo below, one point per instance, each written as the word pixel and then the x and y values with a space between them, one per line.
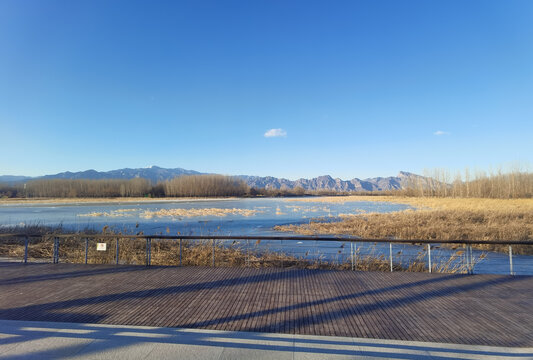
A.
pixel 156 174
pixel 326 182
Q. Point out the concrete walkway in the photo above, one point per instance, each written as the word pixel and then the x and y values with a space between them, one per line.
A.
pixel 53 340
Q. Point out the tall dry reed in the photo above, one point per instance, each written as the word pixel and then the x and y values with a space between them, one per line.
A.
pixel 200 253
pixel 435 219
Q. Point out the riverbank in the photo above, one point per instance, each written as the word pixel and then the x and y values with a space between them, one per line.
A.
pixel 433 219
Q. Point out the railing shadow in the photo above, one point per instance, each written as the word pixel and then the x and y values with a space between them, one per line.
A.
pixel 45 312
pixel 383 305
pixel 353 309
pixel 296 306
pixel 64 310
pixel 69 274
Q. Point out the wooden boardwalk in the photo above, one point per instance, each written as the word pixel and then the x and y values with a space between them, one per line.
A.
pixel 476 309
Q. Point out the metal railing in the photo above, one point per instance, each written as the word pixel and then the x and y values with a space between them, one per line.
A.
pixel 468 251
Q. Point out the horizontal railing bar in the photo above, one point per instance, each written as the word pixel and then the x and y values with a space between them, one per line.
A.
pixel 299 238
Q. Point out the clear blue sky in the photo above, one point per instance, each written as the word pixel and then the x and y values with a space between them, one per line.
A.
pixel 359 88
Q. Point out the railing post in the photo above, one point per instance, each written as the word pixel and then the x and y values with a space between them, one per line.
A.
pixel 180 251
pixel 247 261
pixel 466 259
pixel 511 260
pixel 355 255
pixel 56 251
pixel 86 249
pixel 213 252
pixel 390 254
pixel 351 253
pixel 282 256
pixel 148 251
pixel 429 258
pixel 26 241
pixel 117 251
pixel 471 260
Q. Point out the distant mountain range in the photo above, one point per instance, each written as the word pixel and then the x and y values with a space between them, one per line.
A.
pixel 326 182
pixel 156 174
pixel 152 173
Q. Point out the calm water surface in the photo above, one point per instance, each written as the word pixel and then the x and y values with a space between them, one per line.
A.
pixel 132 217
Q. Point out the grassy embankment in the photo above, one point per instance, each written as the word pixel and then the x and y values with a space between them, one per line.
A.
pixel 434 219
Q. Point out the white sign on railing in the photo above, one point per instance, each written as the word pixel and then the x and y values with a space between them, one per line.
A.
pixel 101 246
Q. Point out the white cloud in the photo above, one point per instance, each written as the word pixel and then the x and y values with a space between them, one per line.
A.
pixel 440 133
pixel 275 133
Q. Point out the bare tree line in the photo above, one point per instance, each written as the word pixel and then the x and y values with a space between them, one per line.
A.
pixel 205 185
pixel 63 188
pixel 438 183
pixel 184 186
pixel 479 184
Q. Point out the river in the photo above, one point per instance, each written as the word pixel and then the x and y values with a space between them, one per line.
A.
pixel 249 216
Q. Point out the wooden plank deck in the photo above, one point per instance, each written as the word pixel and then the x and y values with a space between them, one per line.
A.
pixel 476 309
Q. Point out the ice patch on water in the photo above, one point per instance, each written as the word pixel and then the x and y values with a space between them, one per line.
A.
pixel 21 224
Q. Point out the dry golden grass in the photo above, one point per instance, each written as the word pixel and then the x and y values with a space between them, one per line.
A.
pixel 435 219
pixel 432 202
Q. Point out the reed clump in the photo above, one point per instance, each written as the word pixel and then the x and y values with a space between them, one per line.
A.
pixel 435 219
pixel 200 253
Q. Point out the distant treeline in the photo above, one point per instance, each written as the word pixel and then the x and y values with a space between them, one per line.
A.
pixel 184 186
pixel 63 188
pixel 202 185
pixel 512 185
pixel 439 183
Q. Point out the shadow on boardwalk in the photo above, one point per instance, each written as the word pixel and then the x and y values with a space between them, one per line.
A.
pixel 474 310
pixel 63 275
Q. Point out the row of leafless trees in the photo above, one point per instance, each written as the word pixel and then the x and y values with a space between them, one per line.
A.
pixel 205 185
pixel 185 186
pixel 63 188
pixel 511 185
